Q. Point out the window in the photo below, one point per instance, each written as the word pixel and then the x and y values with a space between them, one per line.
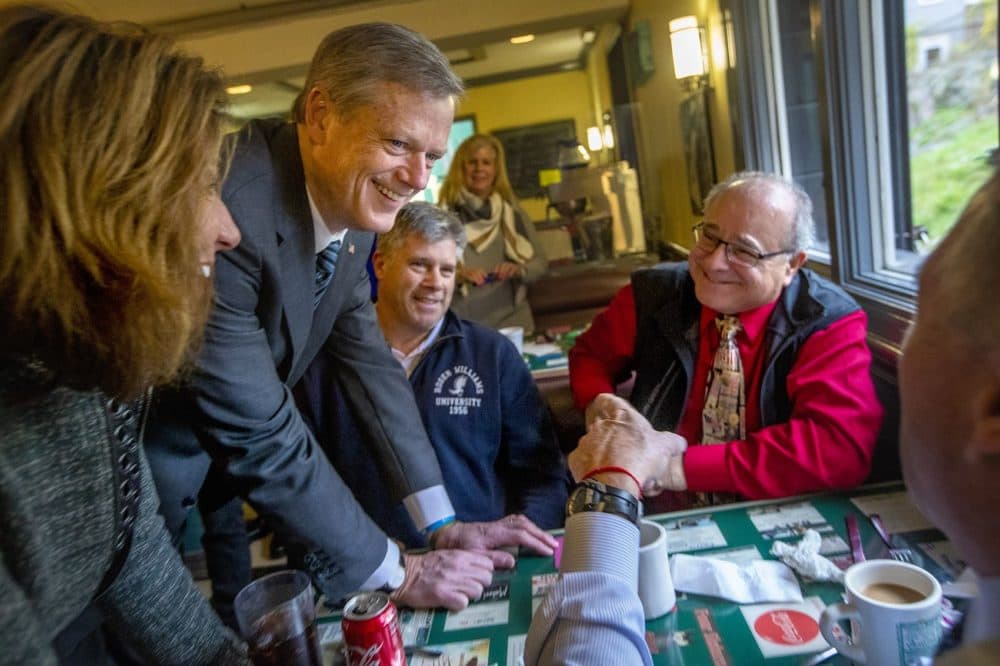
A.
pixel 932 56
pixel 461 130
pixel 951 112
pixel 885 111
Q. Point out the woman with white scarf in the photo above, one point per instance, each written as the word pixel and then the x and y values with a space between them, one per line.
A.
pixel 503 254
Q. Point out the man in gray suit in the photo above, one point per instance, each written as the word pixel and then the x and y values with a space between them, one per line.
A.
pixel 371 121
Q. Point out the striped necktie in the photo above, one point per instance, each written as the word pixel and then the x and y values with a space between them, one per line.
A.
pixel 326 264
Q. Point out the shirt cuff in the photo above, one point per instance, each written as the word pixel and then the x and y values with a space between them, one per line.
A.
pixel 705 468
pixel 389 572
pixel 601 542
pixel 429 507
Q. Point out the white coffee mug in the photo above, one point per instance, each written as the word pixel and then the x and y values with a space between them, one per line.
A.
pixel 656 588
pixel 896 613
pixel 516 335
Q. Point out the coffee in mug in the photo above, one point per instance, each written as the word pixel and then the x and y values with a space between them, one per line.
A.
pixel 895 613
pixel 891 593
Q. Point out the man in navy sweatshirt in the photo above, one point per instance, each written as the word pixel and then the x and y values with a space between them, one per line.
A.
pixel 482 412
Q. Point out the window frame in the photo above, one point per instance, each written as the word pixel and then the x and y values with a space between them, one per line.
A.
pixel 864 141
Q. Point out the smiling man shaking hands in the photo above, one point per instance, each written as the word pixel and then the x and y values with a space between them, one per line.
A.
pixel 760 364
pixel 308 197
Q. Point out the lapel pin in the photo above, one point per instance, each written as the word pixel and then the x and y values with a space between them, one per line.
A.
pixel 350 248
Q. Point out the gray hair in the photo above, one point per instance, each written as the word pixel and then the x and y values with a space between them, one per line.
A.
pixel 968 270
pixel 351 61
pixel 431 223
pixel 803 230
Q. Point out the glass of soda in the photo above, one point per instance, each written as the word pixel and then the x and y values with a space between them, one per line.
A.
pixel 278 620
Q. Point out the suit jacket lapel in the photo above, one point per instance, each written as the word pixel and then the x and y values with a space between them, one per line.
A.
pixel 296 241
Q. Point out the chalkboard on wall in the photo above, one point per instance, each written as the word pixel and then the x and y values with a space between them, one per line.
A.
pixel 531 148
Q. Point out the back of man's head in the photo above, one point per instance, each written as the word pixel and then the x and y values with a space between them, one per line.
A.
pixel 949 383
pixel 426 221
pixel 350 62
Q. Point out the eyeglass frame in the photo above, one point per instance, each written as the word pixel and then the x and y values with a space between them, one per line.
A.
pixel 699 230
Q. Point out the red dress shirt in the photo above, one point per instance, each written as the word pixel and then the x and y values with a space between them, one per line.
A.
pixel 826 443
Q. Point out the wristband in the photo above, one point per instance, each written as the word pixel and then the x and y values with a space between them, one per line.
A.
pixel 613 468
pixel 433 527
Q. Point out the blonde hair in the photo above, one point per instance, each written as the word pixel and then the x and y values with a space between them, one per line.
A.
pixel 110 142
pixel 453 183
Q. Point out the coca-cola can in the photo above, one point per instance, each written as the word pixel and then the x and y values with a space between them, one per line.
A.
pixel 372 636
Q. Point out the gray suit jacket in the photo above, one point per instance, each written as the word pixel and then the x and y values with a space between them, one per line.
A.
pixel 59 502
pixel 261 336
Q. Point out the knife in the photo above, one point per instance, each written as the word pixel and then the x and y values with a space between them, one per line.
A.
pixel 854 536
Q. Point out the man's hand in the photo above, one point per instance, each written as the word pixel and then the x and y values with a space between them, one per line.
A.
pixel 487 538
pixel 443 578
pixel 673 479
pixel 619 436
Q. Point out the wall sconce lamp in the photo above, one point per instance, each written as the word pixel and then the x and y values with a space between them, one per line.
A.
pixel 687 42
pixel 598 138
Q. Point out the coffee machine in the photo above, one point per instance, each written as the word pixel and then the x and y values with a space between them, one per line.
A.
pixel 602 210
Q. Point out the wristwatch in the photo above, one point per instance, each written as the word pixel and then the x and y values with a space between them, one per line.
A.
pixel 591 495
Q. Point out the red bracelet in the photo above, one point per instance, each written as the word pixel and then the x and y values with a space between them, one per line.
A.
pixel 612 468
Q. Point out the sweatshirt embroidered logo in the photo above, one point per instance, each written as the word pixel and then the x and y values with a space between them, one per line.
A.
pixel 457 389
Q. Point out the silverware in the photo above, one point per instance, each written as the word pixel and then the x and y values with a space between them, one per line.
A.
pixel 854 537
pixel 421 651
pixel 819 658
pixel 901 554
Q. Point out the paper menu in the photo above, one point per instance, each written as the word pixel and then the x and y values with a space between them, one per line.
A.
pixel 897 511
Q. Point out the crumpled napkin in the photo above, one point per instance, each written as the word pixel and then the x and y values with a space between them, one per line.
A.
pixel 758 581
pixel 804 557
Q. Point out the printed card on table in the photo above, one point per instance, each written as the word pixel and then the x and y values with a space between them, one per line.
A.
pixel 415 625
pixel 786 629
pixel 478 615
pixel 515 649
pixel 781 521
pixel 465 653
pixel 945 555
pixel 542 583
pixel 695 533
pixel 897 511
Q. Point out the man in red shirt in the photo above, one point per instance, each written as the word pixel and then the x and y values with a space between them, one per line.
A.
pixel 797 411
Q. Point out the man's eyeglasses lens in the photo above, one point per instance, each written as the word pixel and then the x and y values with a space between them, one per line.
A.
pixel 707 241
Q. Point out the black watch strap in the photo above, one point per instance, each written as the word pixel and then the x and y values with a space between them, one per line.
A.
pixel 591 495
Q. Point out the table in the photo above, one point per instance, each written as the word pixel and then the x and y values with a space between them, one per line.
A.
pixel 702 630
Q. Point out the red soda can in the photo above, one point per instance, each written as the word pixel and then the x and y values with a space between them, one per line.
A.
pixel 372 636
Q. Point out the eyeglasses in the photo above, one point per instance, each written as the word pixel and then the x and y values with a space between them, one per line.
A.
pixel 706 241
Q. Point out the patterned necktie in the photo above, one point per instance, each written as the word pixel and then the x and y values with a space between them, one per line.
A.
pixel 723 415
pixel 326 263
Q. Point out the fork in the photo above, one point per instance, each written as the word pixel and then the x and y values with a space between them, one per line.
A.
pixel 901 554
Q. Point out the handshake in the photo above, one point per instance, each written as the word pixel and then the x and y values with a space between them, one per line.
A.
pixel 618 436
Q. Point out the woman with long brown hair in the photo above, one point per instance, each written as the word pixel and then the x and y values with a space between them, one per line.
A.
pixel 503 254
pixel 108 228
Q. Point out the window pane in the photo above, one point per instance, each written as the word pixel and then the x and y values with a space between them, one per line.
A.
pixel 801 108
pixel 461 130
pixel 951 82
